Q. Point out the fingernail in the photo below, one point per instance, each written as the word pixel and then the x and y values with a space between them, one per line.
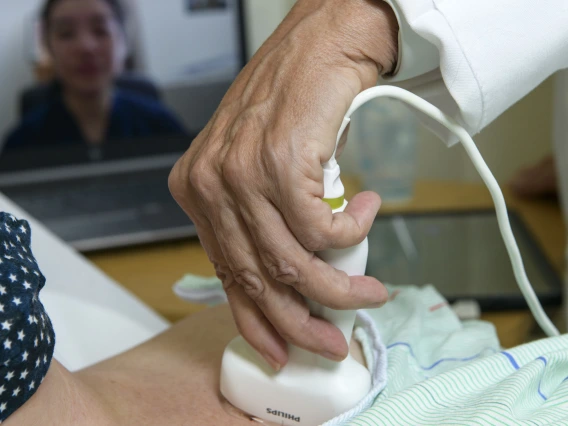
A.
pixel 377 305
pixel 333 357
pixel 273 363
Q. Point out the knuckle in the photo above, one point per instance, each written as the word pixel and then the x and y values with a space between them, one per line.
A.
pixel 314 241
pixel 231 170
pixel 202 177
pixel 275 158
pixel 251 283
pixel 176 182
pixel 284 272
pixel 229 283
pixel 237 167
pixel 223 273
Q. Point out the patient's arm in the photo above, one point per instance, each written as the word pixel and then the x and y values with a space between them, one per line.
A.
pixel 172 379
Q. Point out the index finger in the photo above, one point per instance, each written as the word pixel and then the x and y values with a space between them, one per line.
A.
pixel 317 228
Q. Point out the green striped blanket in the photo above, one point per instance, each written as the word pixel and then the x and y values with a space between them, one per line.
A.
pixel 445 372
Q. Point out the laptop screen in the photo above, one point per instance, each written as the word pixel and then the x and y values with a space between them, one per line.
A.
pixel 463 255
pixel 183 56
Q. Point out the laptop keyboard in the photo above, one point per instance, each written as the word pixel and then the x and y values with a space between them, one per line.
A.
pixel 100 209
pixel 89 196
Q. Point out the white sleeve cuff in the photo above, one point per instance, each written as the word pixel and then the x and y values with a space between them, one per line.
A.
pixel 416 55
pixel 418 70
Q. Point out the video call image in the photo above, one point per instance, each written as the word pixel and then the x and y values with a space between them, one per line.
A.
pixel 134 81
pixel 195 5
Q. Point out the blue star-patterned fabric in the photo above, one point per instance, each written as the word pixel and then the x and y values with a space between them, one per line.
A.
pixel 27 339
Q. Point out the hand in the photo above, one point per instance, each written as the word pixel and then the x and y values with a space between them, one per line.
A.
pixel 252 180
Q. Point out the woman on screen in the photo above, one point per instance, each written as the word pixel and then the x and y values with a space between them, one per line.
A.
pixel 86 41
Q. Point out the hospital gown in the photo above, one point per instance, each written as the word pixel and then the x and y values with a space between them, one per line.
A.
pixel 27 339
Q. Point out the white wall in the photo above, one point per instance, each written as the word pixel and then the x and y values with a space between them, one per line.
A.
pixel 262 17
pixel 16 54
pixel 521 136
pixel 180 46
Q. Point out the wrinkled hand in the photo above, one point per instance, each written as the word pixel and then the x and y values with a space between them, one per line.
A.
pixel 252 180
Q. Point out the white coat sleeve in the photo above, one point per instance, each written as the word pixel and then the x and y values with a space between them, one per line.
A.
pixel 488 53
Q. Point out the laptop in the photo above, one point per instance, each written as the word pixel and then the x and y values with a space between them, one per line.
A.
pixel 117 194
pixel 462 254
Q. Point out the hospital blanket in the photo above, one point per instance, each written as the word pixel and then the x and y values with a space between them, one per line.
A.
pixel 445 372
pixel 442 371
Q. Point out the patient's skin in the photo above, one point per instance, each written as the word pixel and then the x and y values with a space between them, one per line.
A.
pixel 172 379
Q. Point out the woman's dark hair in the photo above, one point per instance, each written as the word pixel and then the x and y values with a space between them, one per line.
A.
pixel 115 5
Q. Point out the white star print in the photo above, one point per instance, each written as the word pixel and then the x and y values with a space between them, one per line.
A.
pixel 20 256
pixel 37 363
pixel 24 230
pixel 25 356
pixel 16 392
pixel 35 342
pixel 27 285
pixel 24 249
pixel 6 363
pixel 24 375
pixel 2 389
pixel 12 277
pixel 3 407
pixel 2 290
pixel 17 301
pixel 32 385
pixel 6 325
pixel 1 307
pixel 18 238
pixel 30 319
pixel 41 336
pixel 48 339
pixel 21 335
pixel 9 376
pixel 8 257
pixel 36 273
pixel 8 228
pixel 7 344
pixel 44 359
pixel 6 246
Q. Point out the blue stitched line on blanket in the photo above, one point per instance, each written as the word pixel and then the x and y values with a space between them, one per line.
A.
pixel 442 359
pixel 511 360
pixel 516 366
pixel 543 359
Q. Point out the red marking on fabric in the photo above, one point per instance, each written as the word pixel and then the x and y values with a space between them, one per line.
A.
pixel 438 306
pixel 394 294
